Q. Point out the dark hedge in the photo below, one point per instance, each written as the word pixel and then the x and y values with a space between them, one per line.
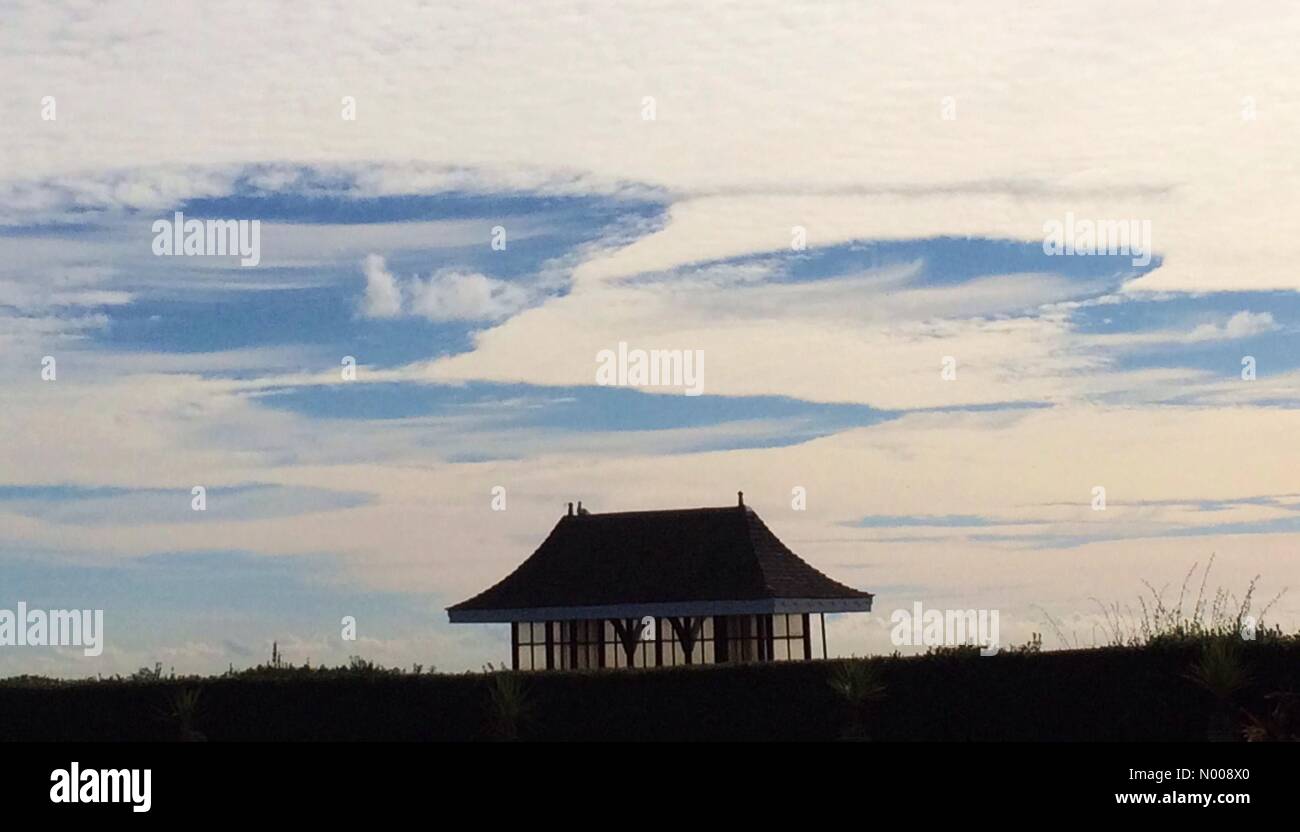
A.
pixel 1102 694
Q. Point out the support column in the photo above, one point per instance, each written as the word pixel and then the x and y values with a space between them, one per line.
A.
pixel 807 636
pixel 628 631
pixel 689 631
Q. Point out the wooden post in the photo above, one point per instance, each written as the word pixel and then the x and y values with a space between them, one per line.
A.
pixel 721 649
pixel 688 630
pixel 659 642
pixel 600 640
pixel 823 618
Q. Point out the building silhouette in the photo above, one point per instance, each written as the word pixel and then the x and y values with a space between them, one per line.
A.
pixel 660 588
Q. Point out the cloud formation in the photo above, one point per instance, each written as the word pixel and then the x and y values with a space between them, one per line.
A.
pixel 445 295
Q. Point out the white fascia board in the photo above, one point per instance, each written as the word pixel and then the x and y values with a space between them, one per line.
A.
pixel 763 606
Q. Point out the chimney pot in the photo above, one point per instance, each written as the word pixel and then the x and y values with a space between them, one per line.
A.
pixel 740 495
pixel 570 509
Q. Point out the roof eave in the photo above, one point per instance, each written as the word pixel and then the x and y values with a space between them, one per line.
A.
pixel 758 606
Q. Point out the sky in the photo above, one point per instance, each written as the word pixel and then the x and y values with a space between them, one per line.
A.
pixel 845 208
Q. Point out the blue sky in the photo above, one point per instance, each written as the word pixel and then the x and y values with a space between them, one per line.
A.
pixel 863 276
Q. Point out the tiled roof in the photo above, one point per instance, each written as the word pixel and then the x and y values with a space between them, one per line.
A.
pixel 659 557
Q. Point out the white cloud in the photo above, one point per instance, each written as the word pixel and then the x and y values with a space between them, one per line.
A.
pixel 878 338
pixel 383 296
pixel 446 295
pixel 451 295
pixel 1241 325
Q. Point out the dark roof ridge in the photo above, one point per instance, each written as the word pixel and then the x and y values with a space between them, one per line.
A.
pixel 642 512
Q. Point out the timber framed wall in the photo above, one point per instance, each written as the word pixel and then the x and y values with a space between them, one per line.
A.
pixel 619 643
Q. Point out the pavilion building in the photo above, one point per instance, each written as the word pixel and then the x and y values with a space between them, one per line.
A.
pixel 660 588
